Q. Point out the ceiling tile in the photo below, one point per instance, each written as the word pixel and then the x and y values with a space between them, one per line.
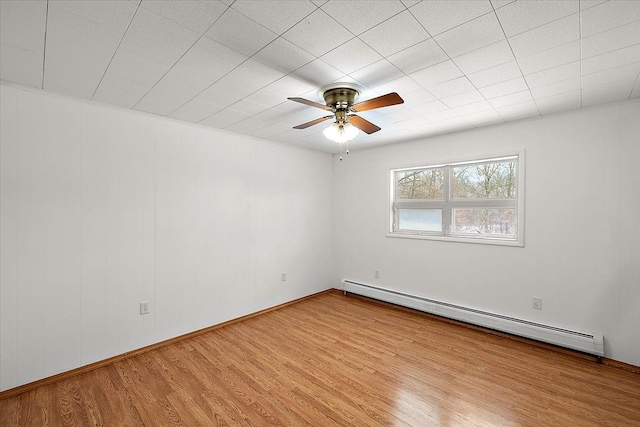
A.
pixel 484 118
pixel 472 97
pixel 283 56
pixel 251 124
pixel 441 115
pixel 557 88
pixel 521 16
pixel 497 4
pixel 617 58
pixel 519 111
pixel 238 32
pixel 587 4
pixel 278 16
pixel 624 72
pixel 406 32
pixel 560 102
pixel 419 56
pixel 113 15
pixel 228 115
pixel 378 73
pixel 403 85
pixel 609 15
pixel 78 50
pixel 195 15
pixel 485 57
pixel 359 16
pixel 151 46
pixel 428 108
pixel 252 108
pixel 308 33
pixel 473 35
pixel 20 66
pixel 415 98
pixel 195 111
pixel 233 89
pixel 609 92
pixel 494 75
pixel 415 123
pixel 548 36
pixel 256 73
pixel 410 3
pixel 205 63
pixel 608 41
pixel 162 61
pixel 473 108
pixel 22 24
pixel 550 58
pixel 219 121
pixel 291 86
pixel 453 124
pixel 226 91
pixel 435 74
pixel 351 56
pixel 442 15
pixel 504 88
pixel 553 75
pixel 266 97
pixel 511 99
pixel 451 87
pixel 317 73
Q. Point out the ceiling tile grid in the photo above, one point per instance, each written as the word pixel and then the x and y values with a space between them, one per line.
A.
pixel 231 64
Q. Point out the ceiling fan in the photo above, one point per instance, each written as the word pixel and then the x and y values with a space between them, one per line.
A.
pixel 340 100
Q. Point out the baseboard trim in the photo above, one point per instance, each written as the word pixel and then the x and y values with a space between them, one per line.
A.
pixel 601 360
pixel 120 357
pixel 96 365
pixel 621 365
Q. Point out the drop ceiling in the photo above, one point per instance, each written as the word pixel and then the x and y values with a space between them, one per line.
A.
pixel 232 64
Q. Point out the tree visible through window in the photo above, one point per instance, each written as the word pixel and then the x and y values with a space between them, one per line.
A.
pixel 477 199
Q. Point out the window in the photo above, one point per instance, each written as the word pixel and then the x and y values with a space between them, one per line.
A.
pixel 478 201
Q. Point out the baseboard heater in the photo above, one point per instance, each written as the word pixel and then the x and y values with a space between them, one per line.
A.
pixel 581 341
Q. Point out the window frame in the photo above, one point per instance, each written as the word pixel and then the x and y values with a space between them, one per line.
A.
pixel 448 203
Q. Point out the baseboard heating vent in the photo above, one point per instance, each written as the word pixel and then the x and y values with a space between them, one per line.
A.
pixel 581 341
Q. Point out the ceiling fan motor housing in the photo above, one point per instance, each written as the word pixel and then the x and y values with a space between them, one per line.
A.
pixel 340 99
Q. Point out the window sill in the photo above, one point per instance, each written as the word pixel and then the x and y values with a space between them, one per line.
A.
pixel 460 239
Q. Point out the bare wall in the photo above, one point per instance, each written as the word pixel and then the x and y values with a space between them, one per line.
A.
pixel 102 208
pixel 582 232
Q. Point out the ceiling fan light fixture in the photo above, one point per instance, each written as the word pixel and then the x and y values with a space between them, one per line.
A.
pixel 341 132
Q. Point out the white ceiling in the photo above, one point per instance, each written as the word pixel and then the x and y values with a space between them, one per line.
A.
pixel 232 64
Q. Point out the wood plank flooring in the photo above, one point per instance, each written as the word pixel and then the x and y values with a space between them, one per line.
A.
pixel 336 360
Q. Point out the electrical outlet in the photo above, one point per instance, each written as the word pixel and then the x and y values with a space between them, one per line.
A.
pixel 537 303
pixel 376 274
pixel 144 307
pixel 283 277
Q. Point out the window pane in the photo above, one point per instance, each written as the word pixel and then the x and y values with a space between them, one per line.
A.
pixel 420 219
pixel 425 184
pixel 485 221
pixel 486 180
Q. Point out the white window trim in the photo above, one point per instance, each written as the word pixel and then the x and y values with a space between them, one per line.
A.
pixel 447 206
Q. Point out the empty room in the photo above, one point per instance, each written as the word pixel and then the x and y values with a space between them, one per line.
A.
pixel 320 213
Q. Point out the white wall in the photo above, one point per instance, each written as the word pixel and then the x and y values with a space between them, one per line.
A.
pixel 102 208
pixel 582 226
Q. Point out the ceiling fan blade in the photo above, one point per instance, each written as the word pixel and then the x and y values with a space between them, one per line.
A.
pixel 379 102
pixel 311 103
pixel 312 122
pixel 364 125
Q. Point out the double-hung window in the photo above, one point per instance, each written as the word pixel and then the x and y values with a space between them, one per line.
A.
pixel 478 201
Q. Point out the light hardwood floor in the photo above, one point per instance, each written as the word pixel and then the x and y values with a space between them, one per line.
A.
pixel 336 360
